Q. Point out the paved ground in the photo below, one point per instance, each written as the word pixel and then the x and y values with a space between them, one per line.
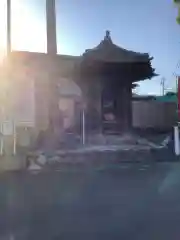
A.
pixel 131 201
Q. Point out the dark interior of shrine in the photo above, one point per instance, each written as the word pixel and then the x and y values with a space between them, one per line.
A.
pixel 116 81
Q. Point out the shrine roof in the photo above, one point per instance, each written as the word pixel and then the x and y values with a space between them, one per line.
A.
pixel 107 51
pixel 68 66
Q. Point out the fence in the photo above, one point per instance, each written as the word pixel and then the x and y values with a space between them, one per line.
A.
pixel 154 115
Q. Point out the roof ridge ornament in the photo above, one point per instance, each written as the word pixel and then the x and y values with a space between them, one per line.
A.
pixel 107 37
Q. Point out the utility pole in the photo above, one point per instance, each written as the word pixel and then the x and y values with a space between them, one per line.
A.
pixel 52 51
pixel 163 85
pixel 7 125
pixel 51 27
pixel 8 27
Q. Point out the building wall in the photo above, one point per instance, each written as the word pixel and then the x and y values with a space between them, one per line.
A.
pixel 28 79
pixel 31 77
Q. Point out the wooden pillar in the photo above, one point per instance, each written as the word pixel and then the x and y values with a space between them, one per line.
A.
pixel 127 98
pixel 92 95
pixel 123 105
pixel 119 107
pixel 98 107
pixel 130 105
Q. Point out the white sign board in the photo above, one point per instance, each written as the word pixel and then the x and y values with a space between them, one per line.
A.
pixel 7 128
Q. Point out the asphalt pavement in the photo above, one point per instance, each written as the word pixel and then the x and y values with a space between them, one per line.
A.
pixel 129 201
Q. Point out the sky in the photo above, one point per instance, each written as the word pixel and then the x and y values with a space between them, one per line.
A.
pixel 139 25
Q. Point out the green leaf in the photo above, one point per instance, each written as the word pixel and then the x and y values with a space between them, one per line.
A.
pixel 178 19
pixel 177 1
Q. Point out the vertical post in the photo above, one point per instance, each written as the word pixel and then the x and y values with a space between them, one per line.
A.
pixel 83 127
pixel 51 50
pixel 176 128
pixel 163 86
pixel 14 138
pixel 128 108
pixel 176 141
pixel 1 140
pixel 7 140
pixel 8 26
pixel 178 99
pixel 51 27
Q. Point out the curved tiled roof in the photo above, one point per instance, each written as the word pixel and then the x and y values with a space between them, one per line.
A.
pixel 107 51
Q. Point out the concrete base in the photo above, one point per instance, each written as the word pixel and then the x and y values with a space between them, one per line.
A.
pixel 11 163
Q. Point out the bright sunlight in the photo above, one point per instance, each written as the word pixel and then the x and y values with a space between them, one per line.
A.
pixel 28 33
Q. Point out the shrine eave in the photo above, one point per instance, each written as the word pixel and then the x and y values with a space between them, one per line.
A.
pixel 148 77
pixel 122 56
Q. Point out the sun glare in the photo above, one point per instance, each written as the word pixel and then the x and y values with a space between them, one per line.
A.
pixel 2 28
pixel 28 32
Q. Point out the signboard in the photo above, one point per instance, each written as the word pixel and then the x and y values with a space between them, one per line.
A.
pixel 7 128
